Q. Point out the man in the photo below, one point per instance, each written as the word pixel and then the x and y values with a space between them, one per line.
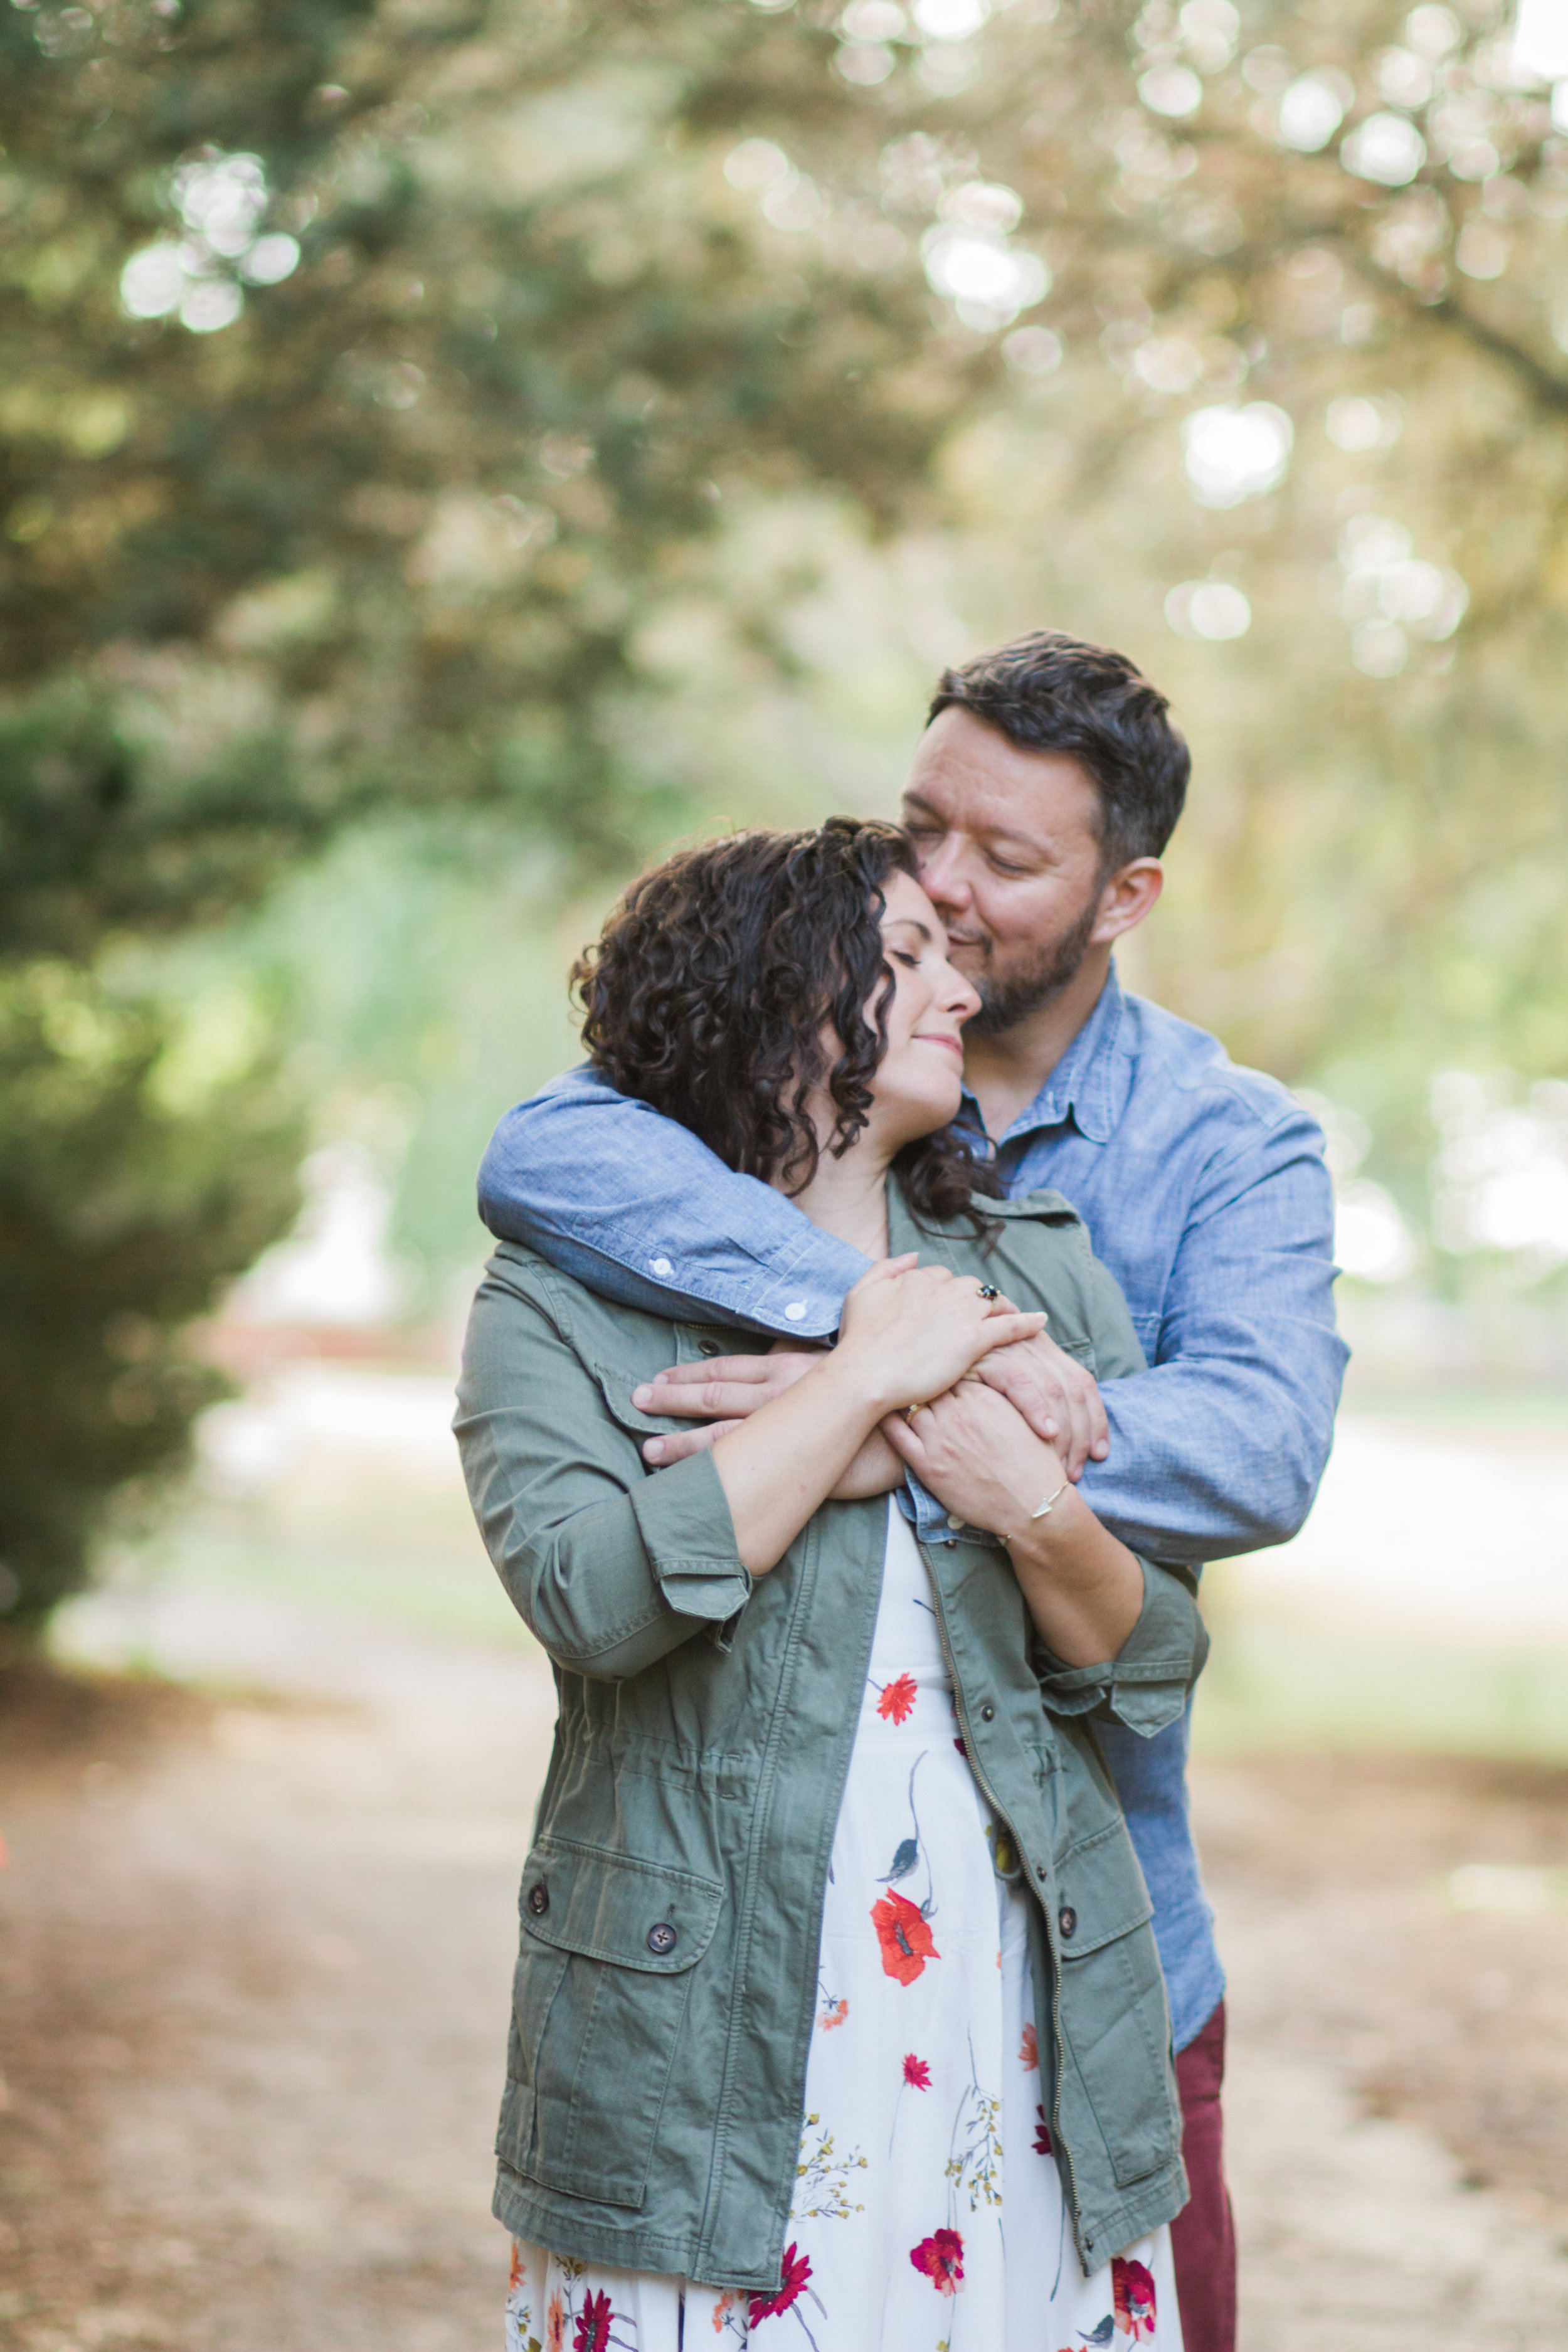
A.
pixel 1043 792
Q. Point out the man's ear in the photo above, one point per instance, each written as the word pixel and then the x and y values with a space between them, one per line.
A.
pixel 1129 895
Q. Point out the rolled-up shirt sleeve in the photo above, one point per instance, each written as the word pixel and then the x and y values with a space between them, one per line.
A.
pixel 632 1204
pixel 1146 1684
pixel 609 1566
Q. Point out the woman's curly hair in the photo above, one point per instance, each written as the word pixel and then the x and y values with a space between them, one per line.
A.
pixel 723 980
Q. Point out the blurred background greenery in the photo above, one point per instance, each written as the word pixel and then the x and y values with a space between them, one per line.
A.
pixel 451 449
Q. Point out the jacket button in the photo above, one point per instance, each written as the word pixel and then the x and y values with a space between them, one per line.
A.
pixel 987 1713
pixel 662 1940
pixel 1039 1870
pixel 1067 1920
pixel 708 1346
pixel 538 1899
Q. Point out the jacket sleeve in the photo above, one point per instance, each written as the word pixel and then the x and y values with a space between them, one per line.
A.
pixel 634 1206
pixel 1219 1447
pixel 1146 1684
pixel 610 1567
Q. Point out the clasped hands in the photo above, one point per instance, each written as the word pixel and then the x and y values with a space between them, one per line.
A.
pixel 1008 1415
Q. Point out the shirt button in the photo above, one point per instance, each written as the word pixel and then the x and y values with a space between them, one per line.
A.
pixel 662 1940
pixel 660 1266
pixel 538 1899
pixel 954 1520
pixel 987 1713
pixel 795 1311
pixel 1067 1920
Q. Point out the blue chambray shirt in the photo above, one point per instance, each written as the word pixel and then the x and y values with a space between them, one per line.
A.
pixel 1204 1189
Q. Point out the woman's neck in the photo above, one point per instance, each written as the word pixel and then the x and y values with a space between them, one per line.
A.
pixel 848 1198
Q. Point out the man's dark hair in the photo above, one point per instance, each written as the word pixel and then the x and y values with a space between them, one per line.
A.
pixel 1046 692
pixel 721 982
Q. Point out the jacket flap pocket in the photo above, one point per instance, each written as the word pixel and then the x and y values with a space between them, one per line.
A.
pixel 616 1385
pixel 609 1906
pixel 1100 1889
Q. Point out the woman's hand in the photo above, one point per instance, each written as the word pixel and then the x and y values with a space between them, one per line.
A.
pixel 978 1455
pixel 1082 1587
pixel 913 1331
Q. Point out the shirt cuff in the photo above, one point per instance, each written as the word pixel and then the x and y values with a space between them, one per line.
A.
pixel 931 1521
pixel 1145 1685
pixel 683 1518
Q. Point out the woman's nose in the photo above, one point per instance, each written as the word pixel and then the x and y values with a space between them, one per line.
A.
pixel 962 998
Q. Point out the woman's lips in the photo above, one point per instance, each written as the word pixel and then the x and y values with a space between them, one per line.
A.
pixel 931 1037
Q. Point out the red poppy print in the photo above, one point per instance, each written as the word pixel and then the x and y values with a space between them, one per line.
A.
pixel 1042 2133
pixel 897 1703
pixel 906 1942
pixel 1132 2293
pixel 941 2257
pixel 593 2330
pixel 791 2286
pixel 1029 2048
pixel 917 2073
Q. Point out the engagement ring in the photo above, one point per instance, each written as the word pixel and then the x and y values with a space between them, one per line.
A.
pixel 989 1290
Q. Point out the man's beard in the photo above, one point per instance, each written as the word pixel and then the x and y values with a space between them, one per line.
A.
pixel 1005 1003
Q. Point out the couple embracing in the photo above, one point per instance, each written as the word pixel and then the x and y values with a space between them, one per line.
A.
pixel 885 1323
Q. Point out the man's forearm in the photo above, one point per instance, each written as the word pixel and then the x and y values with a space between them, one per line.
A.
pixel 634 1206
pixel 1206 1461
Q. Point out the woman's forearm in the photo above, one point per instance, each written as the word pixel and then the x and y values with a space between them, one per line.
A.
pixel 782 1464
pixel 1082 1587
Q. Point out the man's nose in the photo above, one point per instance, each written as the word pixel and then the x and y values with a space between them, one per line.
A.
pixel 942 878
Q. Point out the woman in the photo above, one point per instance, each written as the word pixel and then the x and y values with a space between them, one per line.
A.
pixel 836 2008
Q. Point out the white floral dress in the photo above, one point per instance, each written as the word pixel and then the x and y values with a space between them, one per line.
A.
pixel 925 2155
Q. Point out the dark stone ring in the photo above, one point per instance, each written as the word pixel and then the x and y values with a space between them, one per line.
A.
pixel 989 1290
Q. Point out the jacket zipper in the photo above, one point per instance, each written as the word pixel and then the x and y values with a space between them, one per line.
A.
pixel 972 1759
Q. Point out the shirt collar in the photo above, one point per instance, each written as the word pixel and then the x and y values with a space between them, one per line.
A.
pixel 1084 1085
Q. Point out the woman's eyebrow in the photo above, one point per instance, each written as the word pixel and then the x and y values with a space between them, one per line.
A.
pixel 912 923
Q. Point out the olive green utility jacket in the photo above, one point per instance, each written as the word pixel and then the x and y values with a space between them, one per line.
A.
pixel 671 1904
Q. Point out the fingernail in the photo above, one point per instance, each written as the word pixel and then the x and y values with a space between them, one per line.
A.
pixel 654 1450
pixel 642 1397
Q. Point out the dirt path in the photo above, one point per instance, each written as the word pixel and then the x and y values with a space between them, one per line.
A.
pixel 254 1956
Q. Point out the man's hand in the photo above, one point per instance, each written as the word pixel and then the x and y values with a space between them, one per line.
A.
pixel 720 1391
pixel 1056 1396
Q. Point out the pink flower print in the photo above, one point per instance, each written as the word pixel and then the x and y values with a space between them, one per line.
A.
pixel 917 2073
pixel 1133 2292
pixel 1042 2133
pixel 592 2331
pixel 906 1942
pixel 941 2257
pixel 1029 2048
pixel 897 1703
pixel 833 2012
pixel 791 2286
pixel 555 2324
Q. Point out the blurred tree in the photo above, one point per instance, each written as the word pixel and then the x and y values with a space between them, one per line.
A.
pixel 145 1155
pixel 384 385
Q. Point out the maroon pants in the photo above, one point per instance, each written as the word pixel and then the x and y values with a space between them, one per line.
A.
pixel 1203 2237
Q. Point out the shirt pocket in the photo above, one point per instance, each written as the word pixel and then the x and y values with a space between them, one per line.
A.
pixel 604 1972
pixel 1115 2031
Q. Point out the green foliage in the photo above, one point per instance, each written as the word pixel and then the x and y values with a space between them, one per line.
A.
pixel 597 415
pixel 145 1156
